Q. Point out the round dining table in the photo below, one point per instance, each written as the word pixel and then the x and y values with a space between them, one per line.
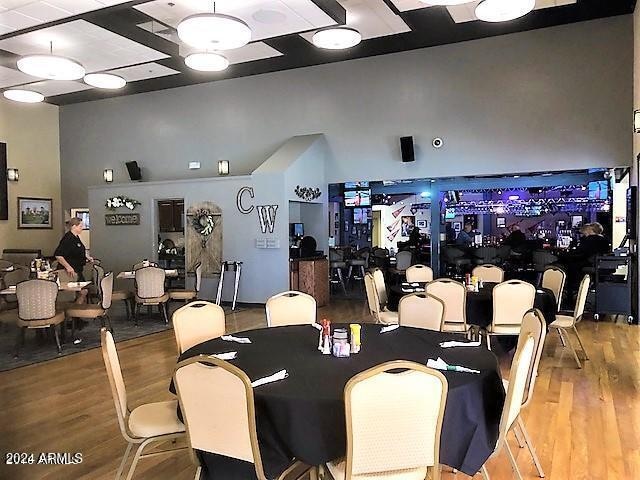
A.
pixel 302 416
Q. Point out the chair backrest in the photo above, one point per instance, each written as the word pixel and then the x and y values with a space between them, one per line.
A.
pixel 290 308
pixel 229 429
pixel 517 384
pixel 533 325
pixel 116 381
pixel 554 278
pixel 197 322
pixel 98 275
pixel 489 273
pixel 581 300
pixel 372 295
pixel 150 282
pixel 20 274
pixel 511 300
pixel 403 260
pixel 106 290
pixel 381 288
pixel 421 310
pixel 394 420
pixel 198 272
pixel 5 264
pixel 454 296
pixel 36 299
pixel 419 273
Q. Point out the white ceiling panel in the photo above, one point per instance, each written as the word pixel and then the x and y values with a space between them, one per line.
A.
pixel 50 88
pixel 466 11
pixel 144 72
pixel 10 77
pixel 96 48
pixel 248 53
pixel 266 18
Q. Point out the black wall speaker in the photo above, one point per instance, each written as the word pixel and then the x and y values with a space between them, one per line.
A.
pixel 406 146
pixel 134 171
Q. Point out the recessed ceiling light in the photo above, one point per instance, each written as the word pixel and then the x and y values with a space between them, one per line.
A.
pixel 52 67
pixel 105 80
pixel 336 38
pixel 214 31
pixel 503 10
pixel 25 96
pixel 206 62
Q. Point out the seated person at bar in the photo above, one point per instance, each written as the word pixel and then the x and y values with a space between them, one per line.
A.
pixel 516 238
pixel 308 247
pixel 592 243
pixel 414 239
pixel 466 236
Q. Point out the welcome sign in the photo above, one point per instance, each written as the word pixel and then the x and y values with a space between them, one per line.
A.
pixel 122 219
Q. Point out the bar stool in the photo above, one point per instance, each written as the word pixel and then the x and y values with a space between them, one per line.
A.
pixel 336 267
pixel 361 262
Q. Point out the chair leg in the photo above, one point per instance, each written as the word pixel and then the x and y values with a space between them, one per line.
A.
pixel 19 340
pixel 136 313
pixel 485 473
pixel 514 465
pixel 124 461
pixel 127 308
pixel 136 458
pixel 575 330
pixel 108 319
pixel 344 289
pixel 349 273
pixel 532 450
pixel 163 310
pixel 570 345
pixel 519 439
pixel 55 333
pixel 313 473
pixel 564 344
pixel 198 473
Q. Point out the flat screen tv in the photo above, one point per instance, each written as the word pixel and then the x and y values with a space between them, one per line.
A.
pixel 296 229
pixel 599 190
pixel 354 185
pixel 357 198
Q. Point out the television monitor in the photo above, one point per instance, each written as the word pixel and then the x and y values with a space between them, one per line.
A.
pixel 357 198
pixel 357 215
pixel 599 190
pixel 450 213
pixel 354 185
pixel 296 229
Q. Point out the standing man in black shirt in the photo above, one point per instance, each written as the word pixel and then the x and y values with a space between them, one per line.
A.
pixel 71 252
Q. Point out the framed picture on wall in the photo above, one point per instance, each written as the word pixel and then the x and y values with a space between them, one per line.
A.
pixel 457 226
pixel 576 221
pixel 82 214
pixel 35 212
pixel 501 222
pixel 408 224
pixel 561 224
pixel 421 223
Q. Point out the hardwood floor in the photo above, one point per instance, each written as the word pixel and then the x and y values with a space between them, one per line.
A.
pixel 585 423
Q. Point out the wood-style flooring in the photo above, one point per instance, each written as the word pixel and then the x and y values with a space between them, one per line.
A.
pixel 585 423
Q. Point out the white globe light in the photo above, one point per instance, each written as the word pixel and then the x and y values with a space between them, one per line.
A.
pixel 206 62
pixel 503 10
pixel 25 96
pixel 214 31
pixel 105 80
pixel 445 2
pixel 336 38
pixel 52 67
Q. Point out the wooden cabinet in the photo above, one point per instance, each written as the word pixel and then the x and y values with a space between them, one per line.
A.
pixel 171 215
pixel 311 276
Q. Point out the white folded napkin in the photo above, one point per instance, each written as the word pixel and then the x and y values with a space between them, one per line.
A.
pixel 317 326
pixel 11 287
pixel 454 343
pixel 281 375
pixel 415 284
pixel 231 338
pixel 408 290
pixel 73 284
pixel 225 356
pixel 389 328
pixel 10 269
pixel 539 291
pixel 440 364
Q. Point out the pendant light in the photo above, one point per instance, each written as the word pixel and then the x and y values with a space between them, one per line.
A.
pixel 50 66
pixel 503 10
pixel 214 31
pixel 206 62
pixel 24 96
pixel 107 81
pixel 336 38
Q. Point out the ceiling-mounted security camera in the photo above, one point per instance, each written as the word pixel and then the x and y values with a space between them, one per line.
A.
pixel 437 142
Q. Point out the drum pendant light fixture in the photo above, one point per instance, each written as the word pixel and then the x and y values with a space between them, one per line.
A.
pixel 50 66
pixel 214 31
pixel 503 10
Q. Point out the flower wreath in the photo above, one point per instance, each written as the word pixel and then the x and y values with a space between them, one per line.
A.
pixel 203 222
pixel 120 201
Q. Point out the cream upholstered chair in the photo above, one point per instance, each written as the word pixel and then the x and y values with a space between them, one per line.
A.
pixel 554 279
pixel 188 294
pixel 144 425
pixel 4 264
pixel 533 325
pixel 488 273
pixel 511 300
pixel 229 429
pixel 421 310
pixel 380 314
pixel 197 322
pixel 37 309
pixel 290 308
pixel 381 288
pixel 11 279
pixel 419 273
pixel 116 295
pixel 393 422
pixel 513 404
pixel 150 290
pixel 454 296
pixel 564 323
pixel 95 310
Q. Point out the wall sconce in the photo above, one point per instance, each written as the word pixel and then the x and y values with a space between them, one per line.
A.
pixel 108 175
pixel 223 167
pixel 636 121
pixel 12 174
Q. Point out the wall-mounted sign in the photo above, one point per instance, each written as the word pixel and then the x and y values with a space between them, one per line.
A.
pixel 266 213
pixel 122 219
pixel 241 208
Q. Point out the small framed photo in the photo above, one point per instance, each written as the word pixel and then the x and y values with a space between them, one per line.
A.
pixel 457 226
pixel 501 222
pixel 35 213
pixel 82 214
pixel 561 224
pixel 421 223
pixel 576 221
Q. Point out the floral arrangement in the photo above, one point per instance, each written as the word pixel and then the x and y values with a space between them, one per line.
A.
pixel 120 201
pixel 203 222
pixel 307 193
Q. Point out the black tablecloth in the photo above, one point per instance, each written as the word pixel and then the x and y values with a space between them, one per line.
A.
pixel 302 416
pixel 480 304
